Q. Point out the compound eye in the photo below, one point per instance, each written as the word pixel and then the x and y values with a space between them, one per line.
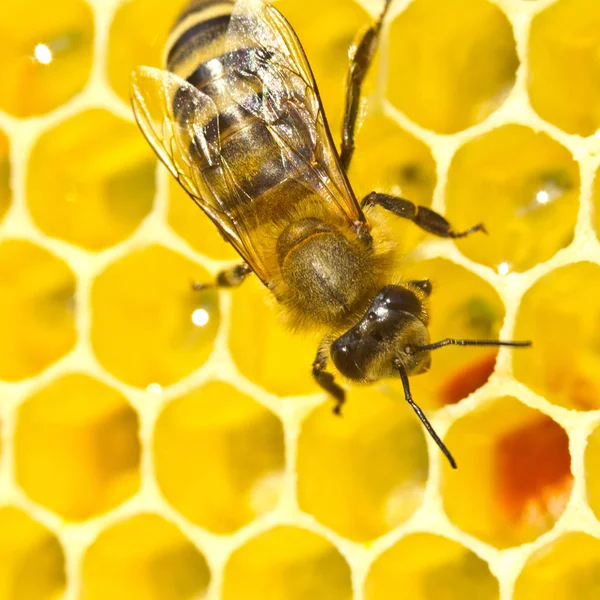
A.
pixel 402 299
pixel 345 357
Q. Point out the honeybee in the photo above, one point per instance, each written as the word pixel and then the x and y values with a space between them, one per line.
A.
pixel 237 119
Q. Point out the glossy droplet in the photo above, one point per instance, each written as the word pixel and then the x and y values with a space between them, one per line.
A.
pixel 524 186
pixel 49 61
pixel 142 327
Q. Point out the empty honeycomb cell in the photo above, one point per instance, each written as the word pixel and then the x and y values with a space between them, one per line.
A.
pixel 567 568
pixel 263 349
pixel 5 194
pixel 91 180
pixel 516 465
pixel 219 457
pixel 31 559
pixel 146 558
pixel 47 61
pixel 592 467
pixel 326 31
pixel 137 37
pixel 36 309
pixel 564 57
pixel 364 473
pixel 149 327
pixel 76 447
pixel 430 567
pixel 195 227
pixel 462 306
pixel 450 64
pixel 287 563
pixel 524 187
pixel 564 363
pixel 389 159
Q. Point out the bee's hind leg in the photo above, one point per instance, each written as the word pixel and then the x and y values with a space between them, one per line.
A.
pixel 359 66
pixel 423 217
pixel 326 380
pixel 232 277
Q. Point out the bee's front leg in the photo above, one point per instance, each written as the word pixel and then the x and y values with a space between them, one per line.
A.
pixel 232 277
pixel 326 380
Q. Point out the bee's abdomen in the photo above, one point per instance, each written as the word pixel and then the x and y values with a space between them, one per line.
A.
pixel 197 36
pixel 252 178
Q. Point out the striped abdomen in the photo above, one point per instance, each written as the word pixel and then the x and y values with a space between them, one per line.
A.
pixel 196 52
pixel 197 35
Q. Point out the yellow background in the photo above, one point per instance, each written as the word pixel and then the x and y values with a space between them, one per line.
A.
pixel 161 443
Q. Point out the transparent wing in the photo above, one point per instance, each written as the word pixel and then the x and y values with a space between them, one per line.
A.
pixel 182 125
pixel 287 100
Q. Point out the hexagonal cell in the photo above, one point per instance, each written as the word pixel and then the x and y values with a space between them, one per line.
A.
pixel 31 558
pixel 219 457
pixel 144 557
pixel 563 64
pixel 91 180
pixel 516 465
pixel 148 325
pixel 287 563
pixel 430 567
pixel 36 309
pixel 362 474
pixel 47 62
pixel 389 159
pixel 450 65
pixel 5 193
pixel 592 464
pixel 560 314
pixel 524 187
pixel 137 37
pixel 565 569
pixel 76 447
pixel 326 31
pixel 266 352
pixel 195 227
pixel 462 306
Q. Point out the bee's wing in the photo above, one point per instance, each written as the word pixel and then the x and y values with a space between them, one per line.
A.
pixel 289 101
pixel 182 125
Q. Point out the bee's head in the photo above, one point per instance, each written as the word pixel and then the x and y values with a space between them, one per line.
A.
pixel 394 323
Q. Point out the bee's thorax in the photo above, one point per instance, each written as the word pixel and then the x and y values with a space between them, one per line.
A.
pixel 327 275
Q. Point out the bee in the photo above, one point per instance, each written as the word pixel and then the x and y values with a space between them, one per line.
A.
pixel 237 119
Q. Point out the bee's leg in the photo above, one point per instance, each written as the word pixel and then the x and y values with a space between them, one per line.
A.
pixel 326 381
pixel 359 66
pixel 228 278
pixel 423 217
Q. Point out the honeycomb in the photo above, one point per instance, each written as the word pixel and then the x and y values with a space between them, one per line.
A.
pixel 160 443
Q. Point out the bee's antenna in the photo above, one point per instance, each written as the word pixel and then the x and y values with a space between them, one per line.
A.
pixel 421 416
pixel 453 342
